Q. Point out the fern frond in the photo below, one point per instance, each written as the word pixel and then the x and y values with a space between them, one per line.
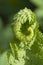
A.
pixel 28 40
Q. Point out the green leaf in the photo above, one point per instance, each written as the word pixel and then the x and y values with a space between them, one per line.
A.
pixel 38 3
pixel 3 59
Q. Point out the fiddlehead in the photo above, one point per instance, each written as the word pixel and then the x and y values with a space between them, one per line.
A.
pixel 25 29
pixel 25 25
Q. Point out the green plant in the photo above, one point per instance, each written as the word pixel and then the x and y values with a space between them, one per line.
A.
pixel 27 48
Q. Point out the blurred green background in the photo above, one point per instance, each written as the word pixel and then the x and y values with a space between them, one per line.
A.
pixel 8 8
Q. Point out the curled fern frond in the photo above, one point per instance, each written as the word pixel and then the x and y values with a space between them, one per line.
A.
pixel 26 37
pixel 25 25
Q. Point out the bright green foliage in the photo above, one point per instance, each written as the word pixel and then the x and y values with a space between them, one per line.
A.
pixel 27 48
